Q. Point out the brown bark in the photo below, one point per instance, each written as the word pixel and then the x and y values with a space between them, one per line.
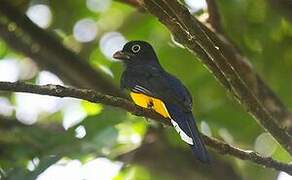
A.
pixel 96 97
pixel 188 31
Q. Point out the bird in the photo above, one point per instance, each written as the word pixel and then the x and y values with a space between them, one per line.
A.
pixel 152 87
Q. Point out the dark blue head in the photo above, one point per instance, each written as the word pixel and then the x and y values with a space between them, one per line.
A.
pixel 137 53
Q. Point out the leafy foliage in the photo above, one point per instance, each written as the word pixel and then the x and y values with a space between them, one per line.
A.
pixel 258 31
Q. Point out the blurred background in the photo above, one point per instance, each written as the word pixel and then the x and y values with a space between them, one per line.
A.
pixel 47 138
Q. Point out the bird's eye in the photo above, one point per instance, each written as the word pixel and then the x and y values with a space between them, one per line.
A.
pixel 136 48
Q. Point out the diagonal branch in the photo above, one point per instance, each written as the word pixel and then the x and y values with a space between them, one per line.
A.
pixel 241 64
pixel 96 97
pixel 197 38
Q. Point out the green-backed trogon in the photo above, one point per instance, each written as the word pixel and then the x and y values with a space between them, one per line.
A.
pixel 152 87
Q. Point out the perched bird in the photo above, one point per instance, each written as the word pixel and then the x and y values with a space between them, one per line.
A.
pixel 152 87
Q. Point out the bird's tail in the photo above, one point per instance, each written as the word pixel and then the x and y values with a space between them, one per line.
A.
pixel 185 125
pixel 198 147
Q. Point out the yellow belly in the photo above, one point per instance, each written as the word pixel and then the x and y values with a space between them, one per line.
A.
pixel 150 102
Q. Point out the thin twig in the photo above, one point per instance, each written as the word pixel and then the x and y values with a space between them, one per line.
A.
pixel 96 97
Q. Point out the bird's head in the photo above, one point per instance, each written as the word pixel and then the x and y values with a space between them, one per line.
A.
pixel 137 52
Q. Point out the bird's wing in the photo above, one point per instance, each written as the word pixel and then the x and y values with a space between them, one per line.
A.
pixel 172 91
pixel 159 84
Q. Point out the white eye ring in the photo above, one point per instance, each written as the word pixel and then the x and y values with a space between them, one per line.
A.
pixel 136 48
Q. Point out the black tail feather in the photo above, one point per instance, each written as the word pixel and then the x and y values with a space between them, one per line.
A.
pixel 186 122
pixel 198 148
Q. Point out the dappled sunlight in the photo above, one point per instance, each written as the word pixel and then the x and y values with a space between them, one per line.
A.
pixel 85 30
pixel 195 5
pixel 64 169
pixel 6 108
pixel 40 14
pixel 126 138
pixel 91 109
pixel 80 132
pixel 24 113
pixel 73 113
pixel 9 70
pixel 130 134
pixel 28 69
pixel 32 164
pixel 110 43
pixel 284 176
pixel 225 135
pixel 98 5
pixel 265 144
pixel 205 129
pixel 46 77
pixel 29 106
pixel 100 168
pixel 12 69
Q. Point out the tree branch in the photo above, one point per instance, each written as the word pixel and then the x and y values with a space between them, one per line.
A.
pixel 96 97
pixel 155 144
pixel 44 48
pixel 242 65
pixel 214 16
pixel 197 38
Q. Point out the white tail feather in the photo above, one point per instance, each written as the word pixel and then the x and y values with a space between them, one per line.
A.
pixel 182 134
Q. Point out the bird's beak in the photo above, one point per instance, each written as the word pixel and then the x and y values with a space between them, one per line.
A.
pixel 121 55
